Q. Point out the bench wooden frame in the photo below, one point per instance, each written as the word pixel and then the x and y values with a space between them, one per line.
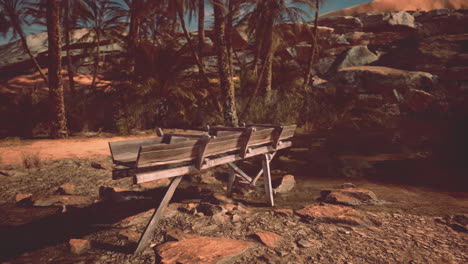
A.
pixel 175 155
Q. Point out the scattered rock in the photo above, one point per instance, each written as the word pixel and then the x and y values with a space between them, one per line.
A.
pixel 287 184
pixel 4 174
pixel 201 250
pixel 334 214
pixel 79 246
pixel 129 235
pixel 66 189
pixel 63 200
pixel 270 239
pixel 23 199
pixel 458 223
pixel 97 166
pixel 284 212
pixel 349 196
pixel 155 184
pixel 209 209
pixel 176 234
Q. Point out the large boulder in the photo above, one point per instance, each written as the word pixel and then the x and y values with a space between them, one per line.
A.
pixel 440 22
pixel 342 24
pixel 388 21
pixel 380 80
pixel 355 56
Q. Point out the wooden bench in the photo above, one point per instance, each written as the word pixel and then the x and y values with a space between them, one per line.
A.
pixel 174 155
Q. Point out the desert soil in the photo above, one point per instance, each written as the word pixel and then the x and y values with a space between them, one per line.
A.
pixel 407 227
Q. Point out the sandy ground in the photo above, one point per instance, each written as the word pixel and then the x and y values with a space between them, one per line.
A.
pixel 11 151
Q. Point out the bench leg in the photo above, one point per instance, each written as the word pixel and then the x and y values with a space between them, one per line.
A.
pixel 260 173
pixel 151 226
pixel 267 180
pixel 231 179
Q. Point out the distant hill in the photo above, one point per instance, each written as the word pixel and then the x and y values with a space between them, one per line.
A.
pixel 384 6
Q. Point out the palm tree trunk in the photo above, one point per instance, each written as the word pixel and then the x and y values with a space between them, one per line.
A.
pixel 227 86
pixel 268 76
pixel 71 81
pixel 314 47
pixel 201 69
pixel 255 92
pixel 26 48
pixel 229 38
pixel 201 28
pixel 58 123
pixel 97 60
pixel 133 34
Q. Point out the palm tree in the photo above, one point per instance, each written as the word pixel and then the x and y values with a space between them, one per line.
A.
pixel 105 18
pixel 263 20
pixel 179 6
pixel 201 28
pixel 13 14
pixel 58 123
pixel 314 48
pixel 226 82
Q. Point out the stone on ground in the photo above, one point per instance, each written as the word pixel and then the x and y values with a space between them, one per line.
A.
pixel 23 199
pixel 210 209
pixel 201 250
pixel 334 214
pixel 79 246
pixel 270 239
pixel 177 234
pixel 66 188
pixel 287 184
pixel 284 212
pixel 349 196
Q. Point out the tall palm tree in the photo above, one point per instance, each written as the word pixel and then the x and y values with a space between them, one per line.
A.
pixel 58 123
pixel 180 7
pixel 226 82
pixel 105 18
pixel 14 17
pixel 201 28
pixel 263 21
pixel 314 48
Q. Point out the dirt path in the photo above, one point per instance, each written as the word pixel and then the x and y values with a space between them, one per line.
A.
pixel 11 151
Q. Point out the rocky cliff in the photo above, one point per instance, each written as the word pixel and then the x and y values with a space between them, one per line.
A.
pixel 418 60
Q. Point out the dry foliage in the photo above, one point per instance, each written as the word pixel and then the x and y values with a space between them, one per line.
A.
pixel 31 160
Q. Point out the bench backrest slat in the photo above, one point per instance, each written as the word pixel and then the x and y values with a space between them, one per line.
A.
pixel 129 148
pixel 161 154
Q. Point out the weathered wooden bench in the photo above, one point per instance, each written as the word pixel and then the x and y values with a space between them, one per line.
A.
pixel 174 155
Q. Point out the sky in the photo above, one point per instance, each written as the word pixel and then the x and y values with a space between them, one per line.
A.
pixel 329 5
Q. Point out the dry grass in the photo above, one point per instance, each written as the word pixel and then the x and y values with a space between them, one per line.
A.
pixel 31 160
